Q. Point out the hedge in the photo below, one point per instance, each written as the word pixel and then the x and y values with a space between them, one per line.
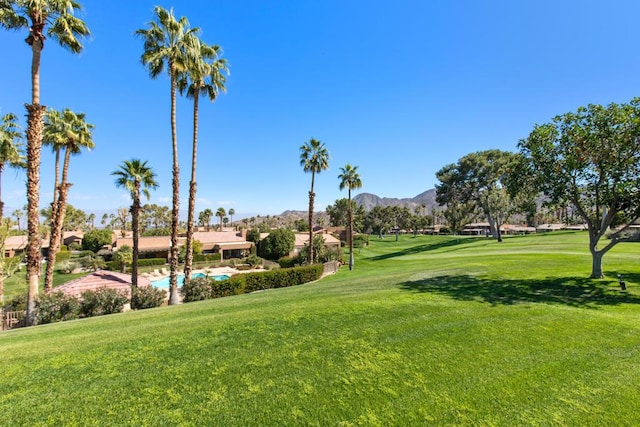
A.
pixel 251 282
pixel 148 262
pixel 206 257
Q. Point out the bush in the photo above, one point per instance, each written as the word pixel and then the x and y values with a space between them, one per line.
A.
pixel 289 261
pixel 63 256
pixel 360 240
pixel 95 239
pixel 206 257
pixel 197 289
pixel 66 267
pixel 102 301
pixel 254 260
pixel 74 246
pixel 148 262
pixel 232 286
pixel 147 297
pixel 56 307
pixel 17 303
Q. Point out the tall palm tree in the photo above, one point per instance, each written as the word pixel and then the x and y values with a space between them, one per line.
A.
pixel 170 43
pixel 350 179
pixel 10 154
pixel 221 213
pixel 314 158
pixel 205 218
pixel 57 16
pixel 205 76
pixel 69 131
pixel 135 176
pixel 231 213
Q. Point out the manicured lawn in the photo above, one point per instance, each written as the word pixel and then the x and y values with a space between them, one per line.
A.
pixel 426 331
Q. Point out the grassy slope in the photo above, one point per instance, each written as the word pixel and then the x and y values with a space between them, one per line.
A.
pixel 431 330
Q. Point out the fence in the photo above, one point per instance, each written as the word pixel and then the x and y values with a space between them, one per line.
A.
pixel 12 319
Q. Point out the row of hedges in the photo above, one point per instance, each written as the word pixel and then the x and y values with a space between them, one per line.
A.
pixel 58 306
pixel 206 257
pixel 204 288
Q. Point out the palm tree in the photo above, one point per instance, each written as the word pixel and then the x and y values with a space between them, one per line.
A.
pixel 170 43
pixel 10 154
pixel 135 176
pixel 314 158
pixel 66 29
pixel 221 213
pixel 205 76
pixel 231 213
pixel 350 179
pixel 69 131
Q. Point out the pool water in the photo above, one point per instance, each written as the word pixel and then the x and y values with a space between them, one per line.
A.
pixel 164 282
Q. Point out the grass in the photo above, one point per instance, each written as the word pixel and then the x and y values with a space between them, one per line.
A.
pixel 432 330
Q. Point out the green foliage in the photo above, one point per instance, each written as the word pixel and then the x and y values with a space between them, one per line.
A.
pixel 182 252
pixel 102 301
pixel 56 307
pixel 254 260
pixel 277 244
pixel 74 246
pixel 253 235
pixel 206 257
pixel 148 262
pixel 147 297
pixel 360 240
pixel 197 289
pixel 235 285
pixel 67 267
pixel 17 303
pixel 289 261
pixel 95 239
pixel 63 256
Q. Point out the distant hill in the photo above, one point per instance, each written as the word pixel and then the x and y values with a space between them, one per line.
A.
pixel 369 201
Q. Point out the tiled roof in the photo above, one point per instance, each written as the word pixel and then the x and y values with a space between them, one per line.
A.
pixel 101 279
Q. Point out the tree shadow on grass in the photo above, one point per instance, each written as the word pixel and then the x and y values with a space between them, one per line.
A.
pixel 427 247
pixel 570 291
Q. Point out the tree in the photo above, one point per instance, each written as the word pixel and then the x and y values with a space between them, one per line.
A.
pixel 124 256
pixel 350 179
pixel 277 244
pixel 339 213
pixel 17 215
pixel 205 75
pixel 478 180
pixel 231 213
pixel 69 131
pixel 58 17
pixel 136 177
pixel 205 218
pixel 221 213
pixel 10 148
pixel 314 158
pixel 170 43
pixel 590 158
pixel 95 239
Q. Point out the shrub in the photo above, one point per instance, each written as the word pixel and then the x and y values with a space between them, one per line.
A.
pixel 17 303
pixel 197 289
pixel 56 307
pixel 254 260
pixel 102 301
pixel 63 256
pixel 66 267
pixel 445 230
pixel 74 246
pixel 289 261
pixel 147 297
pixel 360 240
pixel 206 257
pixel 232 286
pixel 148 262
pixel 95 239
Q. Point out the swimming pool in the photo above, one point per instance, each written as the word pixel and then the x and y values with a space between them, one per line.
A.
pixel 164 282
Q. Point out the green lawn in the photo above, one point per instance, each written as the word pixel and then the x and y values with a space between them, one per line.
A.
pixel 426 331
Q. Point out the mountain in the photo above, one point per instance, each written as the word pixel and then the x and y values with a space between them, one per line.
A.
pixel 369 201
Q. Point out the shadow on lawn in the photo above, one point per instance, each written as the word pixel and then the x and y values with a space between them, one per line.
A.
pixel 426 248
pixel 572 291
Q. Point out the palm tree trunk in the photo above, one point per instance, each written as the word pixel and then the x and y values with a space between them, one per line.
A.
pixel 175 213
pixel 350 237
pixel 56 223
pixel 135 215
pixel 35 126
pixel 56 189
pixel 192 190
pixel 311 197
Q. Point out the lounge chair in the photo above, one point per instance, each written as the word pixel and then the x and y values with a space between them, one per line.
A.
pixel 164 271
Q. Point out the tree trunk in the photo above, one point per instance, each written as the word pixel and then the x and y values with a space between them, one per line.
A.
pixel 35 125
pixel 596 256
pixel 311 197
pixel 192 190
pixel 57 222
pixel 135 219
pixel 175 212
pixel 350 236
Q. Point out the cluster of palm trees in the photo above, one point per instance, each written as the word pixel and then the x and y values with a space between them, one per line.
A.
pixel 314 158
pixel 195 69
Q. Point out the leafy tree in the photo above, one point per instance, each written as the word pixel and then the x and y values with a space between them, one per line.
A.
pixel 170 43
pixel 205 75
pixel 314 158
pixel 277 244
pixel 339 213
pixel 591 158
pixel 478 180
pixel 68 131
pixel 350 179
pixel 95 239
pixel 253 235
pixel 136 177
pixel 57 17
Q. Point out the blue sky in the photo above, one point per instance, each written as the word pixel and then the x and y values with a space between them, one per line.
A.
pixel 399 89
